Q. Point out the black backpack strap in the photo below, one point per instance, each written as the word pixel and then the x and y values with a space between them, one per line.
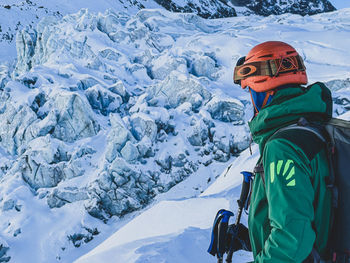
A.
pixel 259 169
pixel 326 141
pixel 297 134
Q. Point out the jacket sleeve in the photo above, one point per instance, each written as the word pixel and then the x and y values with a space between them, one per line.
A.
pixel 290 197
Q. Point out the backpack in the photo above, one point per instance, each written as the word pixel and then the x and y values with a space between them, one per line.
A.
pixel 336 135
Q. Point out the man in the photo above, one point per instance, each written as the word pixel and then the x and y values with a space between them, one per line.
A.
pixel 290 206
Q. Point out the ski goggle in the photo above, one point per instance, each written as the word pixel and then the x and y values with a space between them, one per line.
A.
pixel 271 67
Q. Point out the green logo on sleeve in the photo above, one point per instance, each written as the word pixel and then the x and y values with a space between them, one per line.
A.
pixel 288 171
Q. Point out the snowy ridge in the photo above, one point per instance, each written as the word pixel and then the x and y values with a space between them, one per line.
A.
pixel 105 113
pixel 203 8
pixel 18 14
pixel 302 7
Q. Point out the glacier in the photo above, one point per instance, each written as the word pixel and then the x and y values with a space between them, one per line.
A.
pixel 18 14
pixel 112 120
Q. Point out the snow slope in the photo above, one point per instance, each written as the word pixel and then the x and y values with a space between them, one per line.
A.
pixel 177 230
pixel 103 112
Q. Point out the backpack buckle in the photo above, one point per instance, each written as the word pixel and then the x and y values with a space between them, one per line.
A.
pixel 258 169
pixel 303 122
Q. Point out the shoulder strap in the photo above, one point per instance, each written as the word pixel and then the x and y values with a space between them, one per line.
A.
pixel 259 169
pixel 304 128
pixel 311 138
pixel 316 132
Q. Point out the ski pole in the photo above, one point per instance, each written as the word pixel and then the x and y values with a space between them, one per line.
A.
pixel 247 177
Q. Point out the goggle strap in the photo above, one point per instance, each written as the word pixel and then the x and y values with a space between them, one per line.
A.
pixel 272 67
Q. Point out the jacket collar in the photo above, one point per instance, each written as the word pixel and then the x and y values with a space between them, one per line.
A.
pixel 288 106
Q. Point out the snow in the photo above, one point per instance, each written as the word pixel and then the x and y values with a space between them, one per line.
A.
pixel 176 230
pixel 158 195
pixel 167 217
pixel 230 179
pixel 24 13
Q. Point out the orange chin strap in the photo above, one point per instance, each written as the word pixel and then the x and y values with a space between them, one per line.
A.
pixel 260 102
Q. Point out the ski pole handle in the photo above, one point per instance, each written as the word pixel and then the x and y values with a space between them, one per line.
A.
pixel 247 177
pixel 222 234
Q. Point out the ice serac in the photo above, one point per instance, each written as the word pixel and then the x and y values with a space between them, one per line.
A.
pixel 42 164
pixel 165 64
pixel 341 101
pixel 47 162
pixel 75 119
pixel 4 76
pixel 60 197
pixel 4 248
pixel 204 66
pixel 118 136
pixel 25 43
pixel 15 121
pixel 119 190
pixel 198 133
pixel 35 47
pixel 142 125
pixel 226 110
pixel 103 100
pixel 178 88
pixel 130 152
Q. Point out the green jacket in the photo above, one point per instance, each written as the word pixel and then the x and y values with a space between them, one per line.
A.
pixel 290 214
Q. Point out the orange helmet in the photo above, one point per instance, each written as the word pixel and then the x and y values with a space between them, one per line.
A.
pixel 270 65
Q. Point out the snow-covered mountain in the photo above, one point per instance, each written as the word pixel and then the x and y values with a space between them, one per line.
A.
pixel 277 7
pixel 227 8
pixel 104 113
